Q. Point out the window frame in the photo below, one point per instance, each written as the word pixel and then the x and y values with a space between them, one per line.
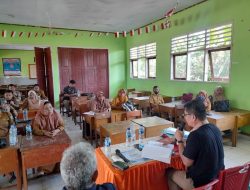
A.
pixel 132 66
pixel 174 66
pixel 149 77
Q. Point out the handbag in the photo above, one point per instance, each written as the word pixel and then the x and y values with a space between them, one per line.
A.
pixel 222 106
pixel 186 97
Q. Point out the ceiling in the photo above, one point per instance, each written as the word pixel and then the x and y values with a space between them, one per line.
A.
pixel 93 15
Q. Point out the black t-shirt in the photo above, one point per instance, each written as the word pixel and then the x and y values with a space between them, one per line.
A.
pixel 69 90
pixel 204 146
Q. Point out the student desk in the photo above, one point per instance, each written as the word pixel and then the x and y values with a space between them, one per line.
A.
pixel 9 160
pixel 118 115
pixel 42 151
pixel 169 108
pixel 147 176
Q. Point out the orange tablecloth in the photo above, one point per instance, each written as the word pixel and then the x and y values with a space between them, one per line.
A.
pixel 147 176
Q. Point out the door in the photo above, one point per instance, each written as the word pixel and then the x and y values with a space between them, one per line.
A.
pixel 40 69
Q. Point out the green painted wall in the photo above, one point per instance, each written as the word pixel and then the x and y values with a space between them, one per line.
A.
pixel 116 48
pixel 205 15
pixel 26 56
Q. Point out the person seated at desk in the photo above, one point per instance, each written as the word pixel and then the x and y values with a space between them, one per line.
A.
pixel 69 91
pixel 79 170
pixel 202 154
pixel 219 94
pixel 10 101
pixel 6 120
pixel 32 102
pixel 100 104
pixel 16 94
pixel 47 123
pixel 203 96
pixel 155 99
pixel 39 92
pixel 120 99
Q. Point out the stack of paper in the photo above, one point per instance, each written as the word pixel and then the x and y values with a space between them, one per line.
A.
pixel 158 152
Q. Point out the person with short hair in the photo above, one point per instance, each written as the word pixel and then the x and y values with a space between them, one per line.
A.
pixel 120 99
pixel 79 170
pixel 68 92
pixel 155 99
pixel 100 104
pixel 6 119
pixel 202 154
pixel 39 92
pixel 16 94
pixel 10 101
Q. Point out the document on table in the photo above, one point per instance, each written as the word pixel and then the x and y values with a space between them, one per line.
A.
pixel 158 152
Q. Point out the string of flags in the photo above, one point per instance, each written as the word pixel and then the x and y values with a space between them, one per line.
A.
pixel 147 29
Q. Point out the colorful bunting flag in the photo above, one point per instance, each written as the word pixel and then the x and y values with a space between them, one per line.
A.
pixel 117 34
pixel 13 33
pixel 4 33
pixel 20 34
pixel 132 32
pixel 124 34
pixel 147 29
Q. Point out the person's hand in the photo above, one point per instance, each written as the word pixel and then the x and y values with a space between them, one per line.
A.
pixel 178 135
pixel 167 140
pixel 55 132
pixel 12 103
pixel 47 133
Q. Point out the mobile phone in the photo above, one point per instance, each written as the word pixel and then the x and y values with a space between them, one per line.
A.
pixel 120 165
pixel 138 147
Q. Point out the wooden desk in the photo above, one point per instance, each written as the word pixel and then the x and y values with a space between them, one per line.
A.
pixel 116 131
pixel 169 108
pixel 142 102
pixel 118 115
pixel 147 176
pixel 9 160
pixel 153 125
pixel 226 121
pixel 137 93
pixel 42 151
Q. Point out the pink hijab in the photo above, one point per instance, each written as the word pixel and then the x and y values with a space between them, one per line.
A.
pixel 48 122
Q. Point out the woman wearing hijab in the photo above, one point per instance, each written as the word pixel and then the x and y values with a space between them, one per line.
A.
pixel 47 123
pixel 219 94
pixel 100 104
pixel 204 97
pixel 32 102
pixel 120 99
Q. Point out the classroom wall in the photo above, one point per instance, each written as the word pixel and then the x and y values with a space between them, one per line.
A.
pixel 26 56
pixel 209 14
pixel 116 49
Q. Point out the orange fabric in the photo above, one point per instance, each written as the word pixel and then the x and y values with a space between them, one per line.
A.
pixel 147 176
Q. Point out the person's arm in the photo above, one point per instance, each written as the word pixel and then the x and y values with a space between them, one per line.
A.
pixel 24 105
pixel 93 106
pixel 186 161
pixel 36 129
pixel 43 97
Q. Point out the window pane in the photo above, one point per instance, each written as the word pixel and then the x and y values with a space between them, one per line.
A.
pixel 152 67
pixel 195 66
pixel 135 68
pixel 221 65
pixel 142 68
pixel 180 66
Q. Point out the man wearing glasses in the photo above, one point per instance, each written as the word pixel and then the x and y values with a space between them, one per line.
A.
pixel 202 154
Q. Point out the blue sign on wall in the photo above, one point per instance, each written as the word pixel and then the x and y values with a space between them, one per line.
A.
pixel 11 67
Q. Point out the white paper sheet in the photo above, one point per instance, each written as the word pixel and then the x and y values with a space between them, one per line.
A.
pixel 156 152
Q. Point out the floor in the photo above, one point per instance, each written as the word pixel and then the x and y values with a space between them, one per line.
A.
pixel 233 156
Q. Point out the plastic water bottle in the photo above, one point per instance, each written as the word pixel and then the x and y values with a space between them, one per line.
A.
pixel 141 136
pixel 173 99
pixel 128 137
pixel 25 114
pixel 13 135
pixel 133 137
pixel 28 132
pixel 107 143
pixel 78 93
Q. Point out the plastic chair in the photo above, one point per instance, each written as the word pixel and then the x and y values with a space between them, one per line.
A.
pixel 134 114
pixel 235 178
pixel 210 186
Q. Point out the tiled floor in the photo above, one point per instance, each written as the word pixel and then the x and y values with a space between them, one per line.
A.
pixel 233 157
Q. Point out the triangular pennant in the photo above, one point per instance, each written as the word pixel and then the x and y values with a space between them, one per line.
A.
pixel 155 27
pixel 124 34
pixel 147 29
pixel 139 31
pixel 29 34
pixel 132 32
pixel 117 34
pixel 4 33
pixel 36 34
pixel 13 33
pixel 20 34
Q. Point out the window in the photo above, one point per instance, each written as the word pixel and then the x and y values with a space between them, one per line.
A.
pixel 203 55
pixel 143 61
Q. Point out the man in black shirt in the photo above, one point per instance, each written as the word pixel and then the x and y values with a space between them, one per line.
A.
pixel 69 91
pixel 203 154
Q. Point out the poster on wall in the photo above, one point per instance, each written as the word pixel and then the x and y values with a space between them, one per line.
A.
pixel 11 66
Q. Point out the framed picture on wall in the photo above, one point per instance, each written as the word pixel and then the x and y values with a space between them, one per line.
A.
pixel 32 71
pixel 11 66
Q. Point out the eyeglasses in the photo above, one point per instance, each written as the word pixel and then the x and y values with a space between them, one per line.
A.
pixel 183 115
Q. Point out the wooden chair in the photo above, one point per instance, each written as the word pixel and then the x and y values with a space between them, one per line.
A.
pixel 61 105
pixel 179 111
pixel 241 120
pixel 210 186
pixel 235 178
pixel 134 114
pixel 130 90
pixel 167 99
